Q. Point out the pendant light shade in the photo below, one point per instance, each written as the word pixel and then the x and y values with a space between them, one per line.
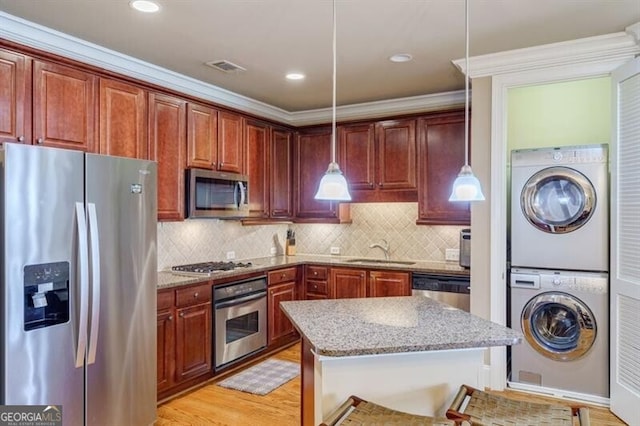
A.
pixel 333 185
pixel 466 187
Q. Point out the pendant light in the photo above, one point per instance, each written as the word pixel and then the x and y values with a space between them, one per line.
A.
pixel 333 185
pixel 466 187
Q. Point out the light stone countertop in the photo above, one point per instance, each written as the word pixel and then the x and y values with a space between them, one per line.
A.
pixel 167 279
pixel 383 325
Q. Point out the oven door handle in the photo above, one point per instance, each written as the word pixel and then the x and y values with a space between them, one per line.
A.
pixel 240 301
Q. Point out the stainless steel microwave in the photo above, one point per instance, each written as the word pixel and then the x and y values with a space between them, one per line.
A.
pixel 217 195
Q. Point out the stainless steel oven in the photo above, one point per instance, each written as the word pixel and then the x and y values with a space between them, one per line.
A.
pixel 240 320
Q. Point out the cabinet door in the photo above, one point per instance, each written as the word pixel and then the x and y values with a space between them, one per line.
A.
pixel 312 156
pixel 357 155
pixel 279 324
pixel 167 142
pixel 166 350
pixel 123 120
pixel 396 144
pixel 281 176
pixel 256 135
pixel 441 153
pixel 348 283
pixel 230 142
pixel 202 137
pixel 64 106
pixel 15 97
pixel 384 284
pixel 193 341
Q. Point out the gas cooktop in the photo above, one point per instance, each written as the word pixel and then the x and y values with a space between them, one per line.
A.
pixel 207 268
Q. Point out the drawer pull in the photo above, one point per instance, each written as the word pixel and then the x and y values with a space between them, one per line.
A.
pixel 195 295
pixel 170 318
pixel 20 138
pixel 40 141
pixel 181 314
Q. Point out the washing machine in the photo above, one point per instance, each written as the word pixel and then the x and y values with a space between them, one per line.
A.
pixel 559 208
pixel 564 317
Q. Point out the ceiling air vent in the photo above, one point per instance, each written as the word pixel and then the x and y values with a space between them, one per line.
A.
pixel 225 66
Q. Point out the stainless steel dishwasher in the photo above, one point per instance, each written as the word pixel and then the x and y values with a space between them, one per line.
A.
pixel 453 290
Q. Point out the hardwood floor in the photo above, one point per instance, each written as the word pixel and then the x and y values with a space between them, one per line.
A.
pixel 215 405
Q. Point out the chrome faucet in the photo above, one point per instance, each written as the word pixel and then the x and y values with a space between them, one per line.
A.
pixel 384 246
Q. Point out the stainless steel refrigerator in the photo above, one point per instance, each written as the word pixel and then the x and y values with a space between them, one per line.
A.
pixel 78 284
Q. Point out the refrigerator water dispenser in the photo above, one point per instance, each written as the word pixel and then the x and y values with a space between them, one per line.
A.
pixel 46 295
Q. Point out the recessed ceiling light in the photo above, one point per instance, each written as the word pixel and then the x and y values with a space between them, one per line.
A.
pixel 145 6
pixel 295 76
pixel 400 57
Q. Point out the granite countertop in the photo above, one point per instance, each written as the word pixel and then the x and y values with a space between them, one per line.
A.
pixel 382 325
pixel 167 279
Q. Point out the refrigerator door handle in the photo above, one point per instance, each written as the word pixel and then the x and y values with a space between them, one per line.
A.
pixel 94 238
pixel 83 257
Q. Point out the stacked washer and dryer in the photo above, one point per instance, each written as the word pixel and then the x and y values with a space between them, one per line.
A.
pixel 559 271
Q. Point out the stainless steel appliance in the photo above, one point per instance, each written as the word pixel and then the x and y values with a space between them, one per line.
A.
pixel 216 194
pixel 453 290
pixel 207 269
pixel 465 248
pixel 240 319
pixel 78 284
pixel 559 208
pixel 564 318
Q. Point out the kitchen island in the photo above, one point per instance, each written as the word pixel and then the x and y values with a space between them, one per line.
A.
pixel 407 353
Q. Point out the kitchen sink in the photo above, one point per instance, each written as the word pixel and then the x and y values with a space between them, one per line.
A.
pixel 385 261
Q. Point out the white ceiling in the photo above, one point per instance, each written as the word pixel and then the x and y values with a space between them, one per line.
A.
pixel 272 37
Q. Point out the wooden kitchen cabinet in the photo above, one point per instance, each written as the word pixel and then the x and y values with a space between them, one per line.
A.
pixel 202 136
pixel 268 164
pixel 311 159
pixel 165 345
pixel 15 97
pixel 396 154
pixel 441 153
pixel 358 155
pixel 282 285
pixel 347 283
pixel 230 142
pixel 122 120
pixel 167 116
pixel 193 341
pixel 316 282
pixel 388 283
pixel 64 106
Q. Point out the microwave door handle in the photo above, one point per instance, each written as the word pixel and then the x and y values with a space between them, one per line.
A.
pixel 243 194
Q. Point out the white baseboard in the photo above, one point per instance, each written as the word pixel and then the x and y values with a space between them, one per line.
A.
pixel 560 393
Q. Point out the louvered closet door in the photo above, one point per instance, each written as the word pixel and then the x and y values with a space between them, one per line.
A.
pixel 625 244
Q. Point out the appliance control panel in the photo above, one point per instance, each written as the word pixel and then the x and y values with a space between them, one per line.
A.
pixel 46 295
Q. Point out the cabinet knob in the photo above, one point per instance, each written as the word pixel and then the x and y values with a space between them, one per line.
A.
pixel 40 140
pixel 221 164
pixel 195 295
pixel 315 272
pixel 170 318
pixel 380 184
pixel 181 314
pixel 20 138
pixel 283 276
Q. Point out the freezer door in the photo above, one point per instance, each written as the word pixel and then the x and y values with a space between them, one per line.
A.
pixel 121 357
pixel 38 285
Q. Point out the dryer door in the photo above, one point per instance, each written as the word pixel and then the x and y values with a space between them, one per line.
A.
pixel 559 326
pixel 558 200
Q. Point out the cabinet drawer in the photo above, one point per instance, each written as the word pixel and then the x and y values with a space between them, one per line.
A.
pixel 317 272
pixel 282 275
pixel 165 300
pixel 193 295
pixel 317 287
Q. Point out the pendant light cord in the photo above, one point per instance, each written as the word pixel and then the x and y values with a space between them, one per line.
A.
pixel 466 84
pixel 333 105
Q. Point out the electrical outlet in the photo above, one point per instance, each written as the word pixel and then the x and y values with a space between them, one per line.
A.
pixel 335 250
pixel 231 255
pixel 452 254
pixel 274 250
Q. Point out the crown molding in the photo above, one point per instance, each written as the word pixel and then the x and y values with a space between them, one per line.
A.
pixel 30 34
pixel 618 47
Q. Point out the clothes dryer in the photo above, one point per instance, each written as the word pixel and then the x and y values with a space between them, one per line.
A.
pixel 564 317
pixel 559 208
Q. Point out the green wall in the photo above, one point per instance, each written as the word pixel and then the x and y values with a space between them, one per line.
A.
pixel 559 114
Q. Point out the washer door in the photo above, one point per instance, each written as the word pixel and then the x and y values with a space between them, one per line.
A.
pixel 558 200
pixel 559 326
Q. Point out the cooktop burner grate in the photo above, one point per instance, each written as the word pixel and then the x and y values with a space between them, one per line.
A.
pixel 207 268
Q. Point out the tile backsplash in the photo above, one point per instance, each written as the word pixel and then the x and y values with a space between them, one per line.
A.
pixel 202 240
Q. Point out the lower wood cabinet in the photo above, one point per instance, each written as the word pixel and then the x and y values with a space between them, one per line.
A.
pixel 282 286
pixel 184 337
pixel 316 282
pixel 388 283
pixel 347 283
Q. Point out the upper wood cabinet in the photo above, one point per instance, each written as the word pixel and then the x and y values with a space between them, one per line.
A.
pixel 281 167
pixel 311 158
pixel 64 106
pixel 441 153
pixel 123 119
pixel 379 160
pixel 347 283
pixel 15 97
pixel 167 127
pixel 388 283
pixel 230 142
pixel 202 136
